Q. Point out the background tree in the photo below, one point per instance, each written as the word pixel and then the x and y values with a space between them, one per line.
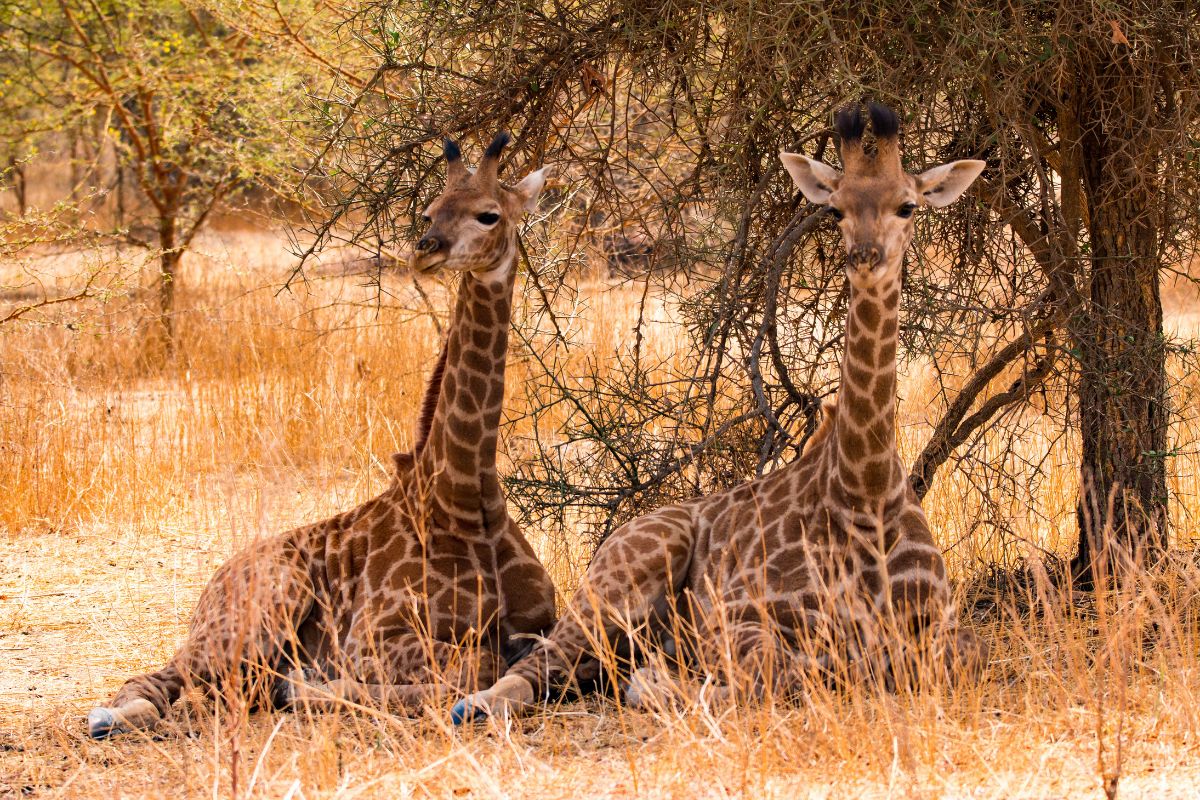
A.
pixel 193 111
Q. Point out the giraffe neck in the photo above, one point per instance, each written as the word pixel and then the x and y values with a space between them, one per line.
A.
pixel 866 418
pixel 458 454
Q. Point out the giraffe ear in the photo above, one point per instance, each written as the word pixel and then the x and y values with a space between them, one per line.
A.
pixel 816 180
pixel 942 185
pixel 530 188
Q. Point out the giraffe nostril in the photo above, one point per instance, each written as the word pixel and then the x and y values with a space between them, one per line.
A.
pixel 429 244
pixel 864 256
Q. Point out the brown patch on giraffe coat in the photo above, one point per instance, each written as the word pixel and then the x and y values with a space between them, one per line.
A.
pixel 475 360
pixel 495 394
pixel 877 476
pixel 912 595
pixel 872 581
pixel 912 556
pixel 853 446
pixel 483 315
pixel 852 482
pixel 866 313
pixel 885 390
pixel 861 410
pixel 477 386
pixel 462 456
pixel 792 526
pixel 858 374
pixel 880 435
pixel 862 350
pixel 470 431
pixel 779 493
pixel 467 402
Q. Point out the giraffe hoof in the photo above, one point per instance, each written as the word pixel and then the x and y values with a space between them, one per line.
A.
pixel 138 714
pixel 465 711
pixel 508 697
pixel 102 723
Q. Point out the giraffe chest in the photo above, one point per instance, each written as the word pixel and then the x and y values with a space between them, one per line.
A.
pixel 806 548
pixel 384 577
pixel 446 584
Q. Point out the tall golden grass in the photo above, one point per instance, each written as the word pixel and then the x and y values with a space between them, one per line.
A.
pixel 126 481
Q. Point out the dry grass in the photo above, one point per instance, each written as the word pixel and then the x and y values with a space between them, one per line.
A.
pixel 124 486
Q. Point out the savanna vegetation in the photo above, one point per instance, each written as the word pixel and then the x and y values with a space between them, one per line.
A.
pixel 207 334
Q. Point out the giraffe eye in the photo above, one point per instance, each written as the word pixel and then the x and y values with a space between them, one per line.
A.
pixel 905 211
pixel 837 215
pixel 488 218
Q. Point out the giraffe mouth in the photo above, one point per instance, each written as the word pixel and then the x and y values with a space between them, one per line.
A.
pixel 424 265
pixel 870 270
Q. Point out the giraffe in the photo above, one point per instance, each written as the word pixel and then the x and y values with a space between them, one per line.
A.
pixel 423 591
pixel 825 549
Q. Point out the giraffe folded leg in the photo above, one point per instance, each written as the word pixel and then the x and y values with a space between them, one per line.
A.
pixel 139 704
pixel 404 674
pixel 632 576
pixel 922 599
pixel 243 622
pixel 341 693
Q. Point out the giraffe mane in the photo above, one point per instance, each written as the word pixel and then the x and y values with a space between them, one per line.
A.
pixel 429 402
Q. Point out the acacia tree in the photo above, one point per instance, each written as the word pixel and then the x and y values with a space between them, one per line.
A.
pixel 193 110
pixel 667 118
pixel 1124 117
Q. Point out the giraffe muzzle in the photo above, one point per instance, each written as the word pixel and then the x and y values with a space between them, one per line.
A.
pixel 863 257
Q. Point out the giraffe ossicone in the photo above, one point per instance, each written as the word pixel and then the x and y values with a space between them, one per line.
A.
pixel 424 592
pixel 826 561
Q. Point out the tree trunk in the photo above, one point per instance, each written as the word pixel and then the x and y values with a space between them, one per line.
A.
pixel 120 193
pixel 169 268
pixel 1122 510
pixel 17 168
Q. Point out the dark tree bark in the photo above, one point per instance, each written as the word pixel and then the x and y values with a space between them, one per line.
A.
pixel 172 254
pixel 1122 390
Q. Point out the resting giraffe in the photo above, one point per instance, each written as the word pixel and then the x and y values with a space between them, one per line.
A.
pixel 768 567
pixel 423 591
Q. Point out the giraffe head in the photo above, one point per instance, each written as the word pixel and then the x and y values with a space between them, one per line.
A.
pixel 473 223
pixel 874 200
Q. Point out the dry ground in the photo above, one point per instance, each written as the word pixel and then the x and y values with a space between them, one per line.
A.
pixel 124 486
